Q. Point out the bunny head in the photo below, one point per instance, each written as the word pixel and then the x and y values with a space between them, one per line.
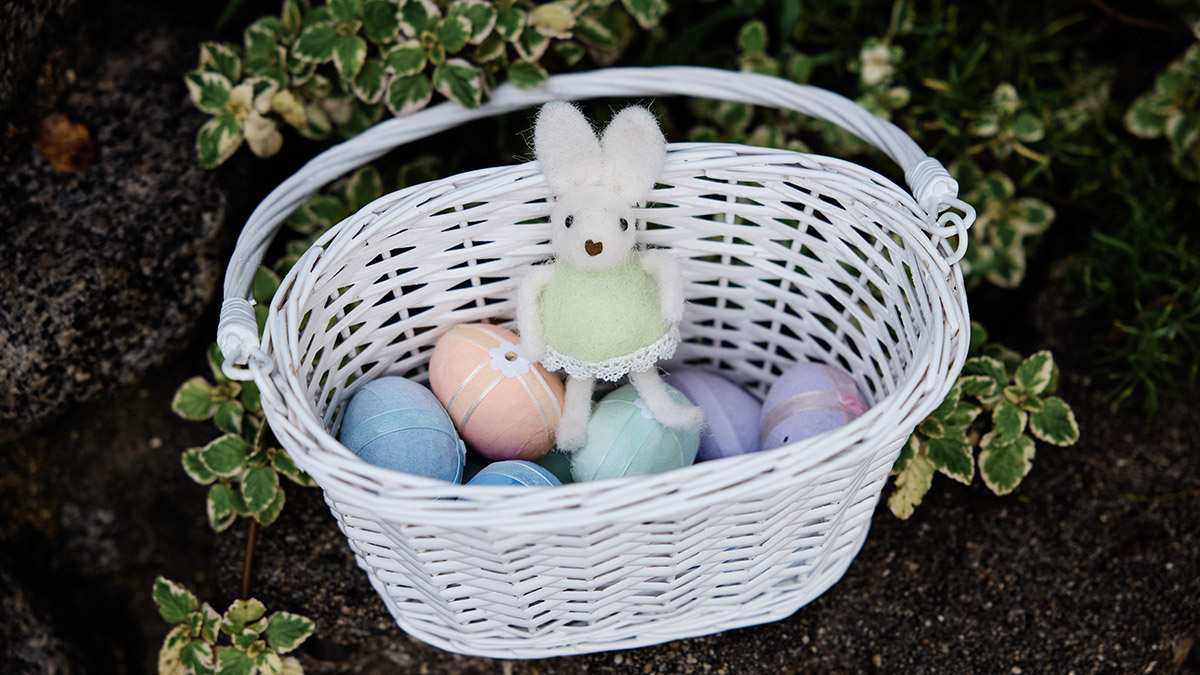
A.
pixel 597 181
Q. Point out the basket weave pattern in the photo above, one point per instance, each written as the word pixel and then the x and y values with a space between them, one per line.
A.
pixel 786 256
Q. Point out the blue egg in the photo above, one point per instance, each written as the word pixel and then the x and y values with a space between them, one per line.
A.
pixel 624 439
pixel 515 472
pixel 398 424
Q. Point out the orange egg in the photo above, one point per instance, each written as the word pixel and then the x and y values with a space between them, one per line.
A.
pixel 503 405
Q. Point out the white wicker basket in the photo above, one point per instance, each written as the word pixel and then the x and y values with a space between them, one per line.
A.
pixel 786 256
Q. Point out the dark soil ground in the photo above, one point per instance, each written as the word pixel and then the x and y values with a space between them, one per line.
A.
pixel 1091 566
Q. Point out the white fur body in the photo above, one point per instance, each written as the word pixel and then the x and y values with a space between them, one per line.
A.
pixel 597 182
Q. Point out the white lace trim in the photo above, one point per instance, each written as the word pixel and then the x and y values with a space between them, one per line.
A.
pixel 618 366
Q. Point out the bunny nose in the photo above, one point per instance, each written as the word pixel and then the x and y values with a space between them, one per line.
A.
pixel 593 248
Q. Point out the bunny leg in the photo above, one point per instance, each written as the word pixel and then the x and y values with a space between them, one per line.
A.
pixel 664 408
pixel 577 408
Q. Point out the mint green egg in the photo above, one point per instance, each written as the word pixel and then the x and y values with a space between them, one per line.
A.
pixel 625 440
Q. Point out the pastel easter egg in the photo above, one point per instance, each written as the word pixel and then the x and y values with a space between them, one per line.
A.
pixel 808 399
pixel 731 414
pixel 398 424
pixel 515 472
pixel 504 406
pixel 624 439
pixel 557 463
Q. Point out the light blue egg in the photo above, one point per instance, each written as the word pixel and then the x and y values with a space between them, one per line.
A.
pixel 398 424
pixel 625 440
pixel 515 472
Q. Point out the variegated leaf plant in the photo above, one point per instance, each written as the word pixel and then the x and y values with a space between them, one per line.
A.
pixel 1172 110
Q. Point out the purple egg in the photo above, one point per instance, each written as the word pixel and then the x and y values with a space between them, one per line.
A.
pixel 731 414
pixel 808 399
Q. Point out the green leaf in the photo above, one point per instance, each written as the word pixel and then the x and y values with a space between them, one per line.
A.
pixel 526 74
pixel 1033 375
pixel 194 400
pixel 911 485
pixel 952 455
pixel 316 43
pixel 349 55
pixel 218 139
pixel 753 37
pixel 245 641
pixel 453 32
pixel 570 52
pixel 418 16
pixel 931 427
pixel 168 655
pixel 647 12
pixel 510 22
pixel 1028 128
pixel 459 81
pixel 234 661
pixel 988 366
pixel 369 84
pixel 241 613
pixel 981 387
pixel 532 44
pixel 1009 422
pixel 258 487
pixel 480 13
pixel 272 511
pixel 596 34
pixel 291 15
pixel 286 631
pixel 408 94
pixel 197 657
pixel 228 417
pixel 209 90
pixel 406 58
pixel 219 507
pixel 1003 465
pixel 962 417
pixel 269 663
pixel 225 456
pixel 220 58
pixel 1147 117
pixel 381 21
pixel 174 601
pixel 209 623
pixel 195 468
pixel 283 463
pixel 362 187
pixel 950 403
pixel 265 285
pixel 345 10
pixel 1055 422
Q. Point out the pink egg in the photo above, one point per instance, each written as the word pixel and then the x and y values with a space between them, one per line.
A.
pixel 503 405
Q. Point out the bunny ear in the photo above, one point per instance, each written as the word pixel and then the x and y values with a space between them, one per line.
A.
pixel 635 152
pixel 566 147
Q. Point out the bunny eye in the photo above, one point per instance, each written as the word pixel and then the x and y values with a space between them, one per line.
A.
pixel 624 224
pixel 569 221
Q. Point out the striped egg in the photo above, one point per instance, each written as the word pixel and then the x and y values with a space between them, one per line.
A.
pixel 808 399
pixel 503 405
pixel 624 439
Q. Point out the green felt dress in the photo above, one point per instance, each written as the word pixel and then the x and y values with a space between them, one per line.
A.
pixel 604 324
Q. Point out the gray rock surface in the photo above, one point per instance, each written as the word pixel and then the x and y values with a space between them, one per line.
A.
pixel 27 32
pixel 106 270
pixel 32 641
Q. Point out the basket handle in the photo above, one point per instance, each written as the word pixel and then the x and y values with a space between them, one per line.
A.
pixel 935 190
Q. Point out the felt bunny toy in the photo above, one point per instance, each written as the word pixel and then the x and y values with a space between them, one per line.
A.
pixel 602 308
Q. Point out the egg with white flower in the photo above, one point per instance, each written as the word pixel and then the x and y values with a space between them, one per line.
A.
pixel 503 405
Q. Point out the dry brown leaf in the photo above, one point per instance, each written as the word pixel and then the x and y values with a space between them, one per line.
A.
pixel 65 144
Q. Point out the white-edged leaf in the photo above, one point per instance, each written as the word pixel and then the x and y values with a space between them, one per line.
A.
pixel 647 12
pixel 225 456
pixel 218 139
pixel 195 468
pixel 220 58
pixel 210 622
pixel 169 662
pixel 381 21
pixel 481 14
pixel 174 601
pixel 911 448
pixel 532 44
pixel 197 657
pixel 459 81
pixel 1055 422
pixel 570 52
pixel 1033 375
pixel 951 454
pixel 526 74
pixel 241 613
pixel 315 44
pixel 509 23
pixel 228 417
pixel 1009 421
pixel 349 55
pixel 283 463
pixel 209 90
pixel 345 10
pixel 1003 465
pixel 911 485
pixel 408 94
pixel 362 187
pixel 269 514
pixel 286 631
pixel 553 19
pixel 453 33
pixel 194 400
pixel 258 487
pixel 234 661
pixel 417 16
pixel 219 507
pixel 269 663
pixel 404 59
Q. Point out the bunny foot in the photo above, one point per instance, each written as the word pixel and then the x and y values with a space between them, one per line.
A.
pixel 665 409
pixel 571 434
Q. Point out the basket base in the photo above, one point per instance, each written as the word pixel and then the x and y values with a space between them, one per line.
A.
pixel 778 601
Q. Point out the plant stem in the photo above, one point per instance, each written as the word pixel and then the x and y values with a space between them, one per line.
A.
pixel 1134 21
pixel 248 563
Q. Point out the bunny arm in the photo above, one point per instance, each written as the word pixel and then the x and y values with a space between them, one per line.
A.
pixel 529 321
pixel 664 269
